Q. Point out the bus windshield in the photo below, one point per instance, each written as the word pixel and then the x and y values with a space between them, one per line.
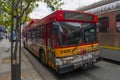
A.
pixel 90 34
pixel 73 33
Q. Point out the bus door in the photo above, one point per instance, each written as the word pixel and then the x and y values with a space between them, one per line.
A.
pixel 50 44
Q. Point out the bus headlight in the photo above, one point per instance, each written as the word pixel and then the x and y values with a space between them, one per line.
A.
pixel 59 61
pixel 97 53
pixel 67 60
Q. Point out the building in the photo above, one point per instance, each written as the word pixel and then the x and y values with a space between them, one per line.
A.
pixel 108 12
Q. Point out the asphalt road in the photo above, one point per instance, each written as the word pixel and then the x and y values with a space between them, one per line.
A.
pixel 101 71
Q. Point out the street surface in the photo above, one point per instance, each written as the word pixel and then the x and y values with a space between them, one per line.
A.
pixel 102 70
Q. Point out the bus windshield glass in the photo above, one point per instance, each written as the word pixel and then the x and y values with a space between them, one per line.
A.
pixel 90 34
pixel 73 33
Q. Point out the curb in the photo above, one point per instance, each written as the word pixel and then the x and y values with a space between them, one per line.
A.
pixel 110 47
pixel 30 68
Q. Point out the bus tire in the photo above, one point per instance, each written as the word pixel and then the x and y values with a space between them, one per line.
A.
pixel 42 56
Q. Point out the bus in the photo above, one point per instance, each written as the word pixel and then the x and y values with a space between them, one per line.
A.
pixel 65 40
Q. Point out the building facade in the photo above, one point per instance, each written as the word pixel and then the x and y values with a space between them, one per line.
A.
pixel 108 12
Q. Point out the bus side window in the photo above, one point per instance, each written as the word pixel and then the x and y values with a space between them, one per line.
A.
pixel 33 35
pixel 41 35
pixel 53 40
pixel 48 30
pixel 55 32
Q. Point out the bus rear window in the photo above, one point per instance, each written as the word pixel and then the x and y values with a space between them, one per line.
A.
pixel 78 16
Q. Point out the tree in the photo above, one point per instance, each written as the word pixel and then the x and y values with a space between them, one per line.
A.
pixel 20 10
pixel 27 7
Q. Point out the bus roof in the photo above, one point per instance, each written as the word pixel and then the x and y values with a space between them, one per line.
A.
pixel 57 16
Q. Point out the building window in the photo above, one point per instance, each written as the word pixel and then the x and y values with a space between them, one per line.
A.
pixel 104 24
pixel 118 23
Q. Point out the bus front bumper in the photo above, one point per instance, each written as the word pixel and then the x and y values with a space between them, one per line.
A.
pixel 83 64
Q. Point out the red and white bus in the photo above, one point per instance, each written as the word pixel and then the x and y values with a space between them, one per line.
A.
pixel 64 40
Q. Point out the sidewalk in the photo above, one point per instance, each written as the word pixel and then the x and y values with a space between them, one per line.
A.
pixel 28 72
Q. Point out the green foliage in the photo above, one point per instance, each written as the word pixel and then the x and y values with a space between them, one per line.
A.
pixel 27 7
pixel 54 4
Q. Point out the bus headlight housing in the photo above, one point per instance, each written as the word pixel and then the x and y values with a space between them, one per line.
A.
pixel 59 61
pixel 67 60
pixel 97 53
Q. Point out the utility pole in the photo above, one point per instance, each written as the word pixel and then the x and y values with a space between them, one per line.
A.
pixel 16 44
